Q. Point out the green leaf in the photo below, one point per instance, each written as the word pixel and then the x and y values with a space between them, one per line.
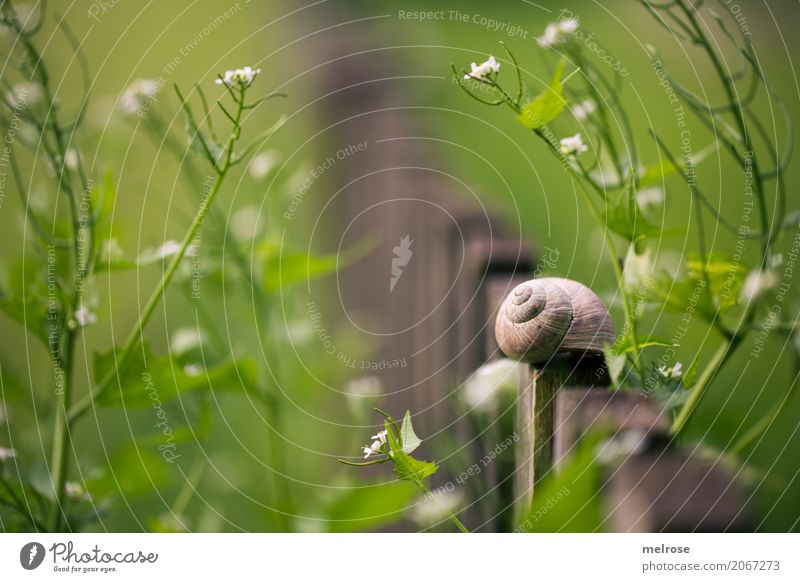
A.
pixel 567 501
pixel 146 378
pixel 287 267
pixel 103 200
pixel 366 506
pixel 27 299
pixel 546 106
pixel 690 376
pixel 410 441
pixel 654 174
pixel 111 257
pixel 408 468
pixel 133 465
pixel 624 344
pixel 615 362
pixel 625 218
pixel 725 277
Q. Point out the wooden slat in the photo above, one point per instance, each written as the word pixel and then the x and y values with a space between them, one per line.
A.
pixel 580 410
pixel 667 491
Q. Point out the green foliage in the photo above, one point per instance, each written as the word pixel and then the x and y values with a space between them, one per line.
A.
pixel 546 106
pixel 625 218
pixel 711 287
pixel 569 501
pixel 144 377
pixel 285 267
pixel 407 467
pixel 357 507
pixel 407 436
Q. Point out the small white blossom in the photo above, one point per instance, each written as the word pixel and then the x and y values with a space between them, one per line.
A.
pixel 246 224
pixel 193 370
pixel 84 317
pixel 437 507
pixel 137 95
pixel 25 94
pixel 185 340
pixel 243 77
pixel 71 159
pixel 649 197
pixel 487 67
pixel 6 454
pixel 381 437
pixel 262 164
pixel 584 109
pixel 638 269
pixel 75 490
pixel 168 249
pixel 364 386
pixel 373 449
pixel 483 389
pixel 568 25
pixel 757 283
pixel 377 443
pixel 675 371
pixel 555 32
pixel 622 446
pixel 573 145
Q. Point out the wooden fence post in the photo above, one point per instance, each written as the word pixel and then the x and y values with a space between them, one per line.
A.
pixel 558 327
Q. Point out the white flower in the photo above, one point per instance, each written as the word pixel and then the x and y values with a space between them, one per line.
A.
pixel 487 67
pixel 193 370
pixel 757 283
pixel 624 445
pixel 85 317
pixel 138 95
pixel 638 269
pixel 373 449
pixel 573 145
pixel 381 437
pixel 485 386
pixel 71 158
pixel 568 25
pixel 243 76
pixel 75 490
pixel 185 340
pixel 245 223
pixel 262 164
pixel 674 372
pixel 25 94
pixel 555 31
pixel 653 196
pixel 6 454
pixel 364 386
pixel 437 507
pixel 584 109
pixel 168 249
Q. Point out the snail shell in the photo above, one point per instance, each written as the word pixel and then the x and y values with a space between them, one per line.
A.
pixel 544 316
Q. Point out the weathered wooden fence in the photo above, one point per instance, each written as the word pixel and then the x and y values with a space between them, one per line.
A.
pixel 439 319
pixel 558 327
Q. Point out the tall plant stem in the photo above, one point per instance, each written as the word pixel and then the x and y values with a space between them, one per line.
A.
pixel 85 403
pixel 724 351
pixel 461 527
pixel 630 316
pixel 59 453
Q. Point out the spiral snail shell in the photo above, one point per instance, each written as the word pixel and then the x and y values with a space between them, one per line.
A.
pixel 544 316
